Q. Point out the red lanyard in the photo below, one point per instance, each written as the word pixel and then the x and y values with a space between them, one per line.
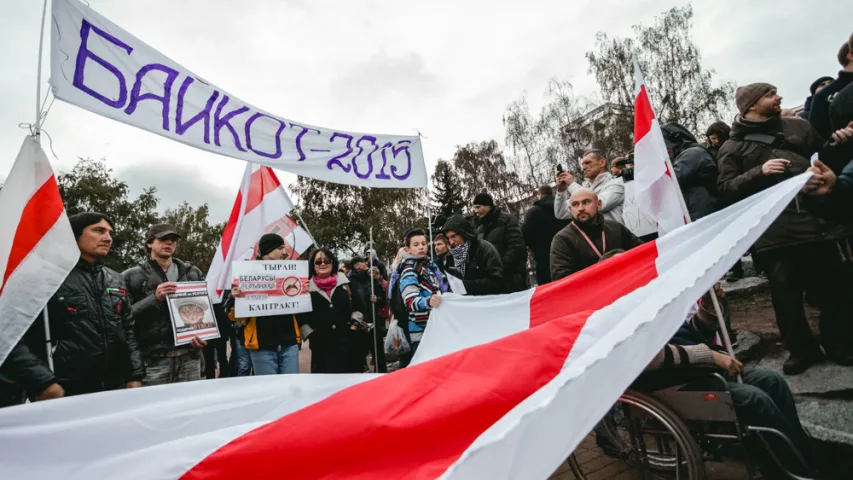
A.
pixel 603 240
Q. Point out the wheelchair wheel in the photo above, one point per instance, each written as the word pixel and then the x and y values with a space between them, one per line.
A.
pixel 644 439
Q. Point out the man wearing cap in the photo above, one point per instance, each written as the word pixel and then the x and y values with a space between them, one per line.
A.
pixel 272 341
pixel 798 251
pixel 91 330
pixel 503 231
pixel 148 285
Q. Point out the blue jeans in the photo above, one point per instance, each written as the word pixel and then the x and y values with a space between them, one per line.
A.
pixel 280 360
pixel 240 356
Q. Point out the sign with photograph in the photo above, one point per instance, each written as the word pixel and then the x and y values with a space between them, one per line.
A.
pixel 192 313
pixel 271 287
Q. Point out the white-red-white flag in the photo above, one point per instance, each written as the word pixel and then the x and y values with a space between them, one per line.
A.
pixel 37 246
pixel 501 387
pixel 262 206
pixel 656 188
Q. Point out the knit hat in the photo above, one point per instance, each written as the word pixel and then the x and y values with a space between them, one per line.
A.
pixel 269 242
pixel 484 199
pixel 817 82
pixel 748 95
pixel 79 221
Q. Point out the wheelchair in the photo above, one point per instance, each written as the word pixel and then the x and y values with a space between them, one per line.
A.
pixel 660 430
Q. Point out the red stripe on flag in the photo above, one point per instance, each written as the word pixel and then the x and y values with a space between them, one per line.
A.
pixel 39 215
pixel 643 115
pixel 228 233
pixel 413 423
pixel 263 181
pixel 595 287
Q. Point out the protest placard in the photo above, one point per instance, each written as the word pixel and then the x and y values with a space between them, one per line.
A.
pixel 271 287
pixel 192 313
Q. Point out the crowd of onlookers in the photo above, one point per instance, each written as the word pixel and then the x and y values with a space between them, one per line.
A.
pixel 112 330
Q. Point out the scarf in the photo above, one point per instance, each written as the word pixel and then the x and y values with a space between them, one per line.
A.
pixel 460 256
pixel 327 284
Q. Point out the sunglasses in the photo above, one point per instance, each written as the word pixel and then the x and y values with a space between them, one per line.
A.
pixel 324 261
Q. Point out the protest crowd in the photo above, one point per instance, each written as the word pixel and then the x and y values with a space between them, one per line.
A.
pixel 112 330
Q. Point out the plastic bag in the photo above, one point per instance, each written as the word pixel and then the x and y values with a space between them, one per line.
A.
pixel 395 341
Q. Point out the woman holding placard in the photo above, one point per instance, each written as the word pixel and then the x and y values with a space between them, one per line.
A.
pixel 336 328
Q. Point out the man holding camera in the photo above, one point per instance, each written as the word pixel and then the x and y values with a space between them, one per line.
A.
pixel 798 251
pixel 609 189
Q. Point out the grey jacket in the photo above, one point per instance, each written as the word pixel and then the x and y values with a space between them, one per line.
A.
pixel 610 190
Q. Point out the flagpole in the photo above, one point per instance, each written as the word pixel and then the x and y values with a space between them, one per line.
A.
pixel 37 125
pixel 305 226
pixel 714 300
pixel 36 135
pixel 429 219
pixel 373 309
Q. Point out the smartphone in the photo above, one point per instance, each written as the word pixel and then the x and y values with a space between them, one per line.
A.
pixel 559 169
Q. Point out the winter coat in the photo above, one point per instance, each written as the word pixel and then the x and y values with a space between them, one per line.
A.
pixel 539 227
pixel 91 328
pixel 504 233
pixel 570 252
pixel 696 171
pixel 335 348
pixel 483 266
pixel 819 112
pixel 740 174
pixel 152 322
pixel 609 189
pixel 444 263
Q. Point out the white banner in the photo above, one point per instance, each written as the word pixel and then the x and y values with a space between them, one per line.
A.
pixel 100 67
pixel 271 287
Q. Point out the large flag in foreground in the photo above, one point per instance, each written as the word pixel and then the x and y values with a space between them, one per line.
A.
pixel 262 206
pixel 37 247
pixel 656 188
pixel 503 387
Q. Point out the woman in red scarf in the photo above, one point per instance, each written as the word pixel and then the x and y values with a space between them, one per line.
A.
pixel 335 324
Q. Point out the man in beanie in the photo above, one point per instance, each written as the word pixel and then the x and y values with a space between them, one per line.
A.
pixel 273 340
pixel 798 251
pixel 148 285
pixel 609 189
pixel 91 327
pixel 503 231
pixel 814 89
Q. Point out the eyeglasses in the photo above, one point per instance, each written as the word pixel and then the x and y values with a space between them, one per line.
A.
pixel 323 261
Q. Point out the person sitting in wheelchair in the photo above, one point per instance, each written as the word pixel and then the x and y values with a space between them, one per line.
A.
pixel 763 399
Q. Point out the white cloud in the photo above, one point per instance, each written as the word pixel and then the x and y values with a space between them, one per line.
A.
pixel 447 68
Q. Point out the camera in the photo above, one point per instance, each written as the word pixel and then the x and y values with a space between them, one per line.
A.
pixel 626 167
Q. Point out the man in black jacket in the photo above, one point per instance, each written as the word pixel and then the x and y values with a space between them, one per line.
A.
pixel 588 238
pixel 91 326
pixel 360 280
pixel 695 168
pixel 148 284
pixel 504 233
pixel 476 261
pixel 819 115
pixel 539 227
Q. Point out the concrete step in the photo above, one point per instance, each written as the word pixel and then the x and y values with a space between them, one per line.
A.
pixel 745 286
pixel 824 396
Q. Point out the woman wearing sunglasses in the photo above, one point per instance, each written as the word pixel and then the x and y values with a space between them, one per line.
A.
pixel 336 322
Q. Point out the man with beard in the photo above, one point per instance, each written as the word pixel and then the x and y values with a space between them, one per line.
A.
pixel 148 285
pixel 798 252
pixel 588 237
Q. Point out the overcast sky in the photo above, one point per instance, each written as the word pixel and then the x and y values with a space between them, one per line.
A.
pixel 447 68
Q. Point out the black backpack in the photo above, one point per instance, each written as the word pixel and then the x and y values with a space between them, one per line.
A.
pixel 398 307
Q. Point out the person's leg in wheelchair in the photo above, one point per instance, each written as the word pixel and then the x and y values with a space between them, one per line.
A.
pixel 764 399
